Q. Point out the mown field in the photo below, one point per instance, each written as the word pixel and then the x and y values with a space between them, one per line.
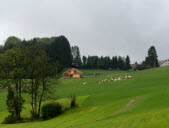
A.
pixel 140 102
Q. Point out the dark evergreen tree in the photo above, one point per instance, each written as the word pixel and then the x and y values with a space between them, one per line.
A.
pixel 114 62
pixel 84 58
pixel 107 62
pixel 76 57
pixel 127 66
pixel 60 50
pixel 152 58
pixel 121 63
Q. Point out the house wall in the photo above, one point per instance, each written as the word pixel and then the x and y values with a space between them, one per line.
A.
pixel 76 76
pixel 72 71
pixel 164 64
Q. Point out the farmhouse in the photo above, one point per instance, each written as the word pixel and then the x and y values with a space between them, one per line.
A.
pixel 72 73
pixel 165 63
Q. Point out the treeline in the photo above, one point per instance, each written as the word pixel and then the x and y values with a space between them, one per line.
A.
pixel 116 62
pixel 96 62
pixel 57 48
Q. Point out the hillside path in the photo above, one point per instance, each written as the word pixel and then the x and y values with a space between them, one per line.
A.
pixel 128 105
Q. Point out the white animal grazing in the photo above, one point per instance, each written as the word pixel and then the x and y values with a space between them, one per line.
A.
pixel 84 83
pixel 129 77
pixel 115 79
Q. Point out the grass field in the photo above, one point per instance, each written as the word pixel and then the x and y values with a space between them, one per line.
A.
pixel 140 102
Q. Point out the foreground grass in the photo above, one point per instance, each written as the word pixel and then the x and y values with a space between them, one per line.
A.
pixel 141 102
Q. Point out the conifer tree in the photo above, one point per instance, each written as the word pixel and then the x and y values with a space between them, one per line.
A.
pixel 152 58
pixel 127 66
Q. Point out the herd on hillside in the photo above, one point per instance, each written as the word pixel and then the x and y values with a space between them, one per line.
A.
pixel 120 78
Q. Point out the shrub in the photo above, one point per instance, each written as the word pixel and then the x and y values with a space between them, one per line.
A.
pixel 73 101
pixel 51 110
pixel 10 119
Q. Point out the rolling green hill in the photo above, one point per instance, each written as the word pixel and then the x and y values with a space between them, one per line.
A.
pixel 140 102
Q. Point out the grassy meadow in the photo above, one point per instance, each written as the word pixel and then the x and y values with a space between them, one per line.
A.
pixel 140 102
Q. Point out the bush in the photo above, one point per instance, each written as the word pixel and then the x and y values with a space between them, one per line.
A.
pixel 51 110
pixel 73 101
pixel 10 120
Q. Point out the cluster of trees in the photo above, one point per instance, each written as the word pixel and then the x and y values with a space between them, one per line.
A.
pixel 151 61
pixel 26 70
pixel 57 48
pixel 95 62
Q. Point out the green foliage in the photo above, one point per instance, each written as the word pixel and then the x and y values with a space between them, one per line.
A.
pixel 84 61
pixel 152 58
pixel 37 70
pixel 127 65
pixel 31 63
pixel 60 50
pixel 51 110
pixel 14 107
pixel 114 62
pixel 73 101
pixel 11 119
pixel 57 48
pixel 121 63
pixel 12 42
pixel 95 62
pixel 77 62
pixel 11 69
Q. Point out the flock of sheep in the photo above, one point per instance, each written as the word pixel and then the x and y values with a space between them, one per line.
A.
pixel 112 79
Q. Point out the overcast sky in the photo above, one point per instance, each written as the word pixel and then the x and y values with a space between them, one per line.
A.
pixel 98 27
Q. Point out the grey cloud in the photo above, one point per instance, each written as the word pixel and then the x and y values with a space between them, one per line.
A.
pixel 102 27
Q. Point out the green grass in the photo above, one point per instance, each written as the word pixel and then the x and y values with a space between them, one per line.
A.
pixel 140 102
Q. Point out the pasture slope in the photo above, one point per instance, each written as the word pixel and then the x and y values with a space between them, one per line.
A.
pixel 140 102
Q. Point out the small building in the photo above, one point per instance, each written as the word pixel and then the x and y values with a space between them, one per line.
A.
pixel 161 62
pixel 166 63
pixel 72 73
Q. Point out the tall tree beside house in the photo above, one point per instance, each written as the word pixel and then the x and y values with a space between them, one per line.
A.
pixel 76 57
pixel 127 65
pixel 60 50
pixel 152 58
